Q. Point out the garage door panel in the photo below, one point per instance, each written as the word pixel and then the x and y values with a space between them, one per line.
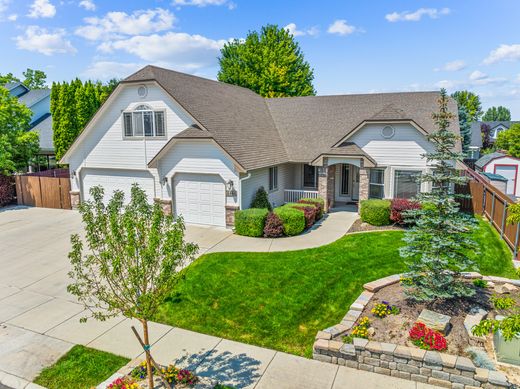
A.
pixel 200 198
pixel 509 172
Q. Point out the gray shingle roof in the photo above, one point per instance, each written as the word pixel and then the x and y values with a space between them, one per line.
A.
pixel 487 158
pixel 260 132
pixel 33 96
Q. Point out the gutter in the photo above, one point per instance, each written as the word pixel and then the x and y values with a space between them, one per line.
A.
pixel 240 189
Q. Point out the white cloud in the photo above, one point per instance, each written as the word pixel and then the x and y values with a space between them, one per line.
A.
pixel 503 53
pixel 340 27
pixel 203 3
pixel 41 9
pixel 4 5
pixel 43 41
pixel 180 50
pixel 477 75
pixel 12 17
pixel 89 5
pixel 106 70
pixel 453 66
pixel 116 25
pixel 293 30
pixel 415 16
pixel 475 79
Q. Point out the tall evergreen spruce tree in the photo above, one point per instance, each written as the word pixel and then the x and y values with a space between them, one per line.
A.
pixel 465 128
pixel 438 243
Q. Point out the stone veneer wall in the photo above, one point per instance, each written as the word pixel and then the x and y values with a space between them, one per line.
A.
pixel 74 199
pixel 166 205
pixel 432 367
pixel 363 184
pixel 230 215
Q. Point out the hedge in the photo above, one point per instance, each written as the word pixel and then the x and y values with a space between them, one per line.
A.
pixel 7 189
pixel 293 220
pixel 250 222
pixel 309 212
pixel 375 212
pixel 273 226
pixel 319 203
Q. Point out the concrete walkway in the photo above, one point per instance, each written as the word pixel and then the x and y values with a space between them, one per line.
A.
pixel 39 320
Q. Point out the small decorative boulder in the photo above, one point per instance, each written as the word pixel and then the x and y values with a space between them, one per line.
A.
pixel 435 321
pixel 505 288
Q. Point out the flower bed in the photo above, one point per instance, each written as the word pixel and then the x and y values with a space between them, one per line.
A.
pixel 397 345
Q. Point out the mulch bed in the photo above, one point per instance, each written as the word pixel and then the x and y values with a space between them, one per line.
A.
pixel 360 226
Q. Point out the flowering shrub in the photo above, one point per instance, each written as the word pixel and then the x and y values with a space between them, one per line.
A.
pixel 124 383
pixel 139 372
pixel 398 206
pixel 186 377
pixel 273 226
pixel 6 190
pixel 384 309
pixel 361 329
pixel 426 338
pixel 170 373
pixel 318 203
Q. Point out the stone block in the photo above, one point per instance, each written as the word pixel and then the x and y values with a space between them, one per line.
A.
pixel 357 306
pixel 471 275
pixel 438 382
pixel 464 363
pixel 372 361
pixel 387 357
pixel 352 315
pixel 497 378
pixel 321 344
pixel 376 285
pixel 434 320
pixel 469 374
pixel 459 379
pixel 481 374
pixel 442 375
pixel 335 345
pixel 334 360
pixel 505 288
pixel 365 367
pixel 351 364
pixel 341 361
pixel 374 347
pixel 419 378
pixel 457 386
pixel 425 371
pixel 448 360
pixel 381 370
pixel 401 374
pixel 385 364
pixel 433 367
pixel 323 335
pixel 347 323
pixel 322 358
pixel 415 363
pixel 433 358
pixel 403 352
pixel 408 368
pixel 388 348
pixel 417 353
pixel 348 349
pixel 392 365
pixel 401 360
pixel 366 353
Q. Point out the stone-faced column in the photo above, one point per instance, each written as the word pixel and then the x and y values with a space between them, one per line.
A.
pixel 326 184
pixel 166 205
pixel 230 215
pixel 363 183
pixel 74 199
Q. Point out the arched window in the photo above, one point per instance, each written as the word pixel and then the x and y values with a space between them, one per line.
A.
pixel 143 121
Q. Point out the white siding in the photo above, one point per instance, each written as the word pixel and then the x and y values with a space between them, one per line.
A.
pixel 492 166
pixel 404 148
pixel 287 175
pixel 104 146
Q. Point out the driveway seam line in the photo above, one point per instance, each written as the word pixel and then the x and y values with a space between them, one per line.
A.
pixel 219 242
pixel 30 309
pixel 335 375
pixel 266 368
pixel 104 332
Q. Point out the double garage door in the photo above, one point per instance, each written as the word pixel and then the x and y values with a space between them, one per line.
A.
pixel 199 198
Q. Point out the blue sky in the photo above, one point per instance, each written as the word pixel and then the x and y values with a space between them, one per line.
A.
pixel 353 46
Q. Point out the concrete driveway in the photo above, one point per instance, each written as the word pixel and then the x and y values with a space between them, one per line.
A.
pixel 39 320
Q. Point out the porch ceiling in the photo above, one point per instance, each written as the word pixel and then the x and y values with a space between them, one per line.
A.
pixel 347 152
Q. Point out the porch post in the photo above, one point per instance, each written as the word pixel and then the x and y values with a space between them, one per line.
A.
pixel 363 182
pixel 326 187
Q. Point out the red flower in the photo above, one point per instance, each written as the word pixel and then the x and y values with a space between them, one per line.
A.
pixel 427 338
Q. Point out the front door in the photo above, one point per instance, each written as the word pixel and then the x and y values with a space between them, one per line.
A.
pixel 347 183
pixel 355 182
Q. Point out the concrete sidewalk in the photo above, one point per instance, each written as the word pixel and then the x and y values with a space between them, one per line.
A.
pixel 39 320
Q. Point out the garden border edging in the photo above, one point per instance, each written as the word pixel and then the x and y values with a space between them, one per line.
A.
pixel 432 367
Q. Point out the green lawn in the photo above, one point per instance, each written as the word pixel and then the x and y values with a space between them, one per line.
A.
pixel 280 300
pixel 80 368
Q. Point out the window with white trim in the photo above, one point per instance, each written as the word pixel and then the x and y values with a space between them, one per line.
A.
pixel 310 177
pixel 376 184
pixel 273 178
pixel 143 121
pixel 406 185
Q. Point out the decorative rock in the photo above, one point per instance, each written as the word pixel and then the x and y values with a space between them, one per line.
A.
pixel 505 288
pixel 472 320
pixel 497 378
pixel 466 364
pixel 434 320
pixel 360 343
pixel 490 284
pixel 321 344
pixel 371 332
pixel 348 349
pixel 471 275
pixel 323 335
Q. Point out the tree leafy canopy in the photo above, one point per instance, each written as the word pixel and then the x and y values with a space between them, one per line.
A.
pixel 437 244
pixel 471 102
pixel 270 63
pixel 465 128
pixel 17 146
pixel 509 140
pixel 34 79
pixel 497 114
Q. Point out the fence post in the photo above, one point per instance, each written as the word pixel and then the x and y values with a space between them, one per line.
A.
pixel 484 194
pixel 515 250
pixel 493 208
pixel 503 220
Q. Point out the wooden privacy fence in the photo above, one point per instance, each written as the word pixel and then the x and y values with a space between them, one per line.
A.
pixel 489 201
pixel 47 189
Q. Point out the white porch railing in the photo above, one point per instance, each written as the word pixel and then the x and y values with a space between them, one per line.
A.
pixel 294 195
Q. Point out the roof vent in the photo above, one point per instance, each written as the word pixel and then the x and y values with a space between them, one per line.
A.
pixel 142 91
pixel 387 132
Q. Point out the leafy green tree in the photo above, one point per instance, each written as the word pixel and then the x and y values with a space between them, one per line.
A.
pixel 465 128
pixel 437 244
pixel 35 79
pixel 9 77
pixel 472 103
pixel 497 114
pixel 131 260
pixel 509 140
pixel 17 146
pixel 269 62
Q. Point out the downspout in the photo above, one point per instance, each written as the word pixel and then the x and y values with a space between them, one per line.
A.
pixel 240 180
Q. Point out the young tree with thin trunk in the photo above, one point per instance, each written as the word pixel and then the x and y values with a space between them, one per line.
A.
pixel 131 260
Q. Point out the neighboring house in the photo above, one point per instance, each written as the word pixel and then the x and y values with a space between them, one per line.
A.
pixel 504 165
pixel 476 135
pixel 38 101
pixel 203 148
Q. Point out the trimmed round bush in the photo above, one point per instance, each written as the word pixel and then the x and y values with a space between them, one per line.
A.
pixel 261 199
pixel 309 211
pixel 319 203
pixel 375 212
pixel 273 226
pixel 250 222
pixel 293 220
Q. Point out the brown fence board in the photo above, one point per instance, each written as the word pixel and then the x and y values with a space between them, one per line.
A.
pixel 45 189
pixel 65 193
pixel 51 194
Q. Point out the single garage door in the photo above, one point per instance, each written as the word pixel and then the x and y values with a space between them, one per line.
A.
pixel 112 180
pixel 509 172
pixel 200 198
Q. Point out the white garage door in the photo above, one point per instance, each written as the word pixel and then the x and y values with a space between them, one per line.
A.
pixel 509 172
pixel 112 180
pixel 200 199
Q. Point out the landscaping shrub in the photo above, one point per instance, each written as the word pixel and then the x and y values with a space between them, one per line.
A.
pixel 261 200
pixel 426 338
pixel 250 222
pixel 6 190
pixel 319 203
pixel 480 283
pixel 273 226
pixel 293 220
pixel 375 212
pixel 309 211
pixel 398 206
